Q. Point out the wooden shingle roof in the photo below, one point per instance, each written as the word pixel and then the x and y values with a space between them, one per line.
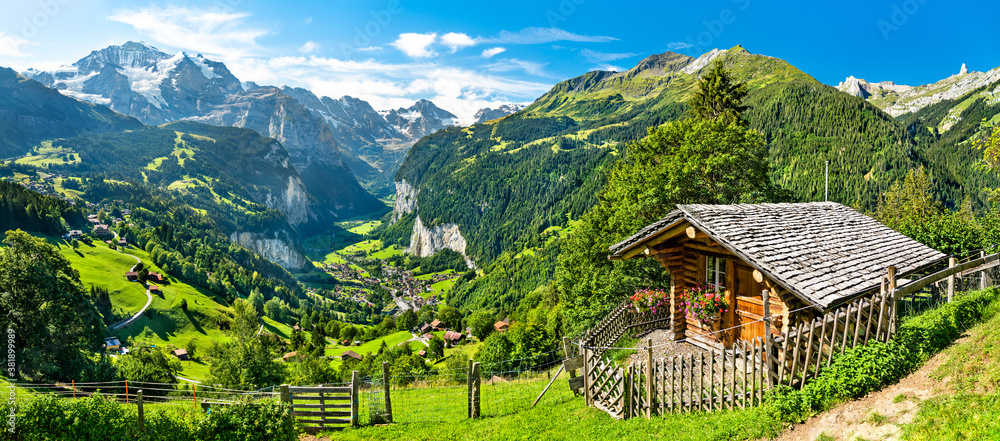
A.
pixel 823 252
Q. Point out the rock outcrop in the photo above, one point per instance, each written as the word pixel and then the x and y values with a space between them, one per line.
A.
pixel 425 241
pixel 273 248
pixel 406 200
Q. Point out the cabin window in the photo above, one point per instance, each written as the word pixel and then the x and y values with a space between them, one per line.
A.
pixel 715 276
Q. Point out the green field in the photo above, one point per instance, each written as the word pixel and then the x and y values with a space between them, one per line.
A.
pixel 369 347
pixel 101 266
pixel 46 154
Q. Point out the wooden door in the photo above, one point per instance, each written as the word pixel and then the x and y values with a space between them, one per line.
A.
pixel 749 304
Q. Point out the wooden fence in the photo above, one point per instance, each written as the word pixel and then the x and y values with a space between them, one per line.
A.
pixel 738 377
pixel 323 408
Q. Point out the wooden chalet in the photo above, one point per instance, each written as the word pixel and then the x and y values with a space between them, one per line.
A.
pixel 425 328
pixel 453 337
pixel 501 326
pixel 101 230
pixel 154 289
pixel 290 356
pixel 437 325
pixel 349 355
pixel 155 277
pixel 811 257
pixel 181 354
pixel 132 276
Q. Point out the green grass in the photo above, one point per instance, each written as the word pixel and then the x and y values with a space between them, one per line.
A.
pixel 280 329
pixel 385 253
pixel 972 409
pixel 360 227
pixel 439 413
pixel 101 266
pixel 370 347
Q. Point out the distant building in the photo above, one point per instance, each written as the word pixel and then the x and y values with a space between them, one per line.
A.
pixel 290 356
pixel 75 234
pixel 425 328
pixel 132 276
pixel 101 230
pixel 437 325
pixel 181 354
pixel 453 337
pixel 112 343
pixel 501 326
pixel 350 354
pixel 422 353
pixel 155 277
pixel 154 289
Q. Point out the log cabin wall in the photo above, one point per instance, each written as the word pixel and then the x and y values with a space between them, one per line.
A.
pixel 686 261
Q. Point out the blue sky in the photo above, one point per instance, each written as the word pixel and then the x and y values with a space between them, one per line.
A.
pixel 468 55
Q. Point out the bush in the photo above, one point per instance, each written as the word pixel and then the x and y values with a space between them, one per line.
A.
pixel 249 421
pixel 99 418
pixel 864 369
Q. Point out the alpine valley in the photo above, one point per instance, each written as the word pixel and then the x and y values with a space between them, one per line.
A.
pixel 329 208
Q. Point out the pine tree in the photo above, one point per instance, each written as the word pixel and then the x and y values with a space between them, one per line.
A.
pixel 718 96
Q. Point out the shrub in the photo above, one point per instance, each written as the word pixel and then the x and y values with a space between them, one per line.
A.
pixel 248 420
pixel 864 369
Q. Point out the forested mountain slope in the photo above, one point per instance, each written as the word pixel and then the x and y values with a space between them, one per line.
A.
pixel 504 182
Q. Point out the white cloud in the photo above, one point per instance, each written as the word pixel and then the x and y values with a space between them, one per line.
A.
pixel 416 45
pixel 310 46
pixel 608 68
pixel 307 21
pixel 10 45
pixel 513 64
pixel 392 85
pixel 370 49
pixel 489 53
pixel 210 31
pixel 678 45
pixel 543 35
pixel 603 57
pixel 456 41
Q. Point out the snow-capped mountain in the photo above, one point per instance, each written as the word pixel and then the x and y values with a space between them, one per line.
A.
pixel 141 81
pixel 489 114
pixel 420 119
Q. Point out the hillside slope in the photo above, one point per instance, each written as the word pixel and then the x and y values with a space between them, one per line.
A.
pixel 31 112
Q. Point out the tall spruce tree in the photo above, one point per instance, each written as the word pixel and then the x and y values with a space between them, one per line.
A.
pixel 719 97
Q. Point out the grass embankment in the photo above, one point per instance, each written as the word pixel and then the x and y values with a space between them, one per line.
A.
pixel 165 323
pixel 971 409
pixel 856 373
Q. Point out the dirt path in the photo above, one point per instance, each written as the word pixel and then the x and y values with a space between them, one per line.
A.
pixel 877 416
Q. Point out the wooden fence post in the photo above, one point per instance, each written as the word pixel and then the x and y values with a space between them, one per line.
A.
pixel 74 388
pixel 194 393
pixel 982 274
pixel 286 397
pixel 649 378
pixel 628 393
pixel 385 384
pixel 126 392
pixel 142 418
pixel 354 399
pixel 892 292
pixel 951 279
pixel 586 375
pixel 468 388
pixel 476 389
pixel 768 343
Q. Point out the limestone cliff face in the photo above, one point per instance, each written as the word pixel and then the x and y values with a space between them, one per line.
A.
pixel 427 241
pixel 272 248
pixel 406 200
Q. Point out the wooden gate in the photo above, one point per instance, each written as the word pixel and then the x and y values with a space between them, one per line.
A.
pixel 322 408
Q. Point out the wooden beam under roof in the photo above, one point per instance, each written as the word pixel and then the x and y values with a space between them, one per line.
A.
pixel 639 248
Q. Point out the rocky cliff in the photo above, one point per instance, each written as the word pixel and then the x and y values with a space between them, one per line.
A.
pixel 427 241
pixel 406 200
pixel 272 247
pixel 898 99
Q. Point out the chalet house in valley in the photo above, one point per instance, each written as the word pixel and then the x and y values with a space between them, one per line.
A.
pixel 425 328
pixel 132 276
pixel 347 355
pixel 501 326
pixel 155 277
pixel 437 325
pixel 453 338
pixel 181 354
pixel 810 257
pixel 101 230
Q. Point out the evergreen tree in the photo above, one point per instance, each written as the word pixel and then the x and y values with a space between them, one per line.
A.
pixel 719 96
